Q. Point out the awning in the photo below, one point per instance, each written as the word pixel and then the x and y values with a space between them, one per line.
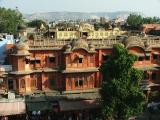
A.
pixel 32 58
pixel 51 55
pixel 12 108
pixel 105 54
pixel 78 105
pixel 28 57
pixel 38 106
pixel 140 54
pixel 148 54
pixel 156 53
pixel 80 56
pixel 37 58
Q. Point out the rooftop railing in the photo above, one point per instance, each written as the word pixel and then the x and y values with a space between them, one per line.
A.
pixel 52 43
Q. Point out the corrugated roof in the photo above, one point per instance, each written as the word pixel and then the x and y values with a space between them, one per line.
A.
pixel 38 106
pixel 78 105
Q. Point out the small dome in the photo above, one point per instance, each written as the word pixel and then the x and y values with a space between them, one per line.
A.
pixel 81 43
pixel 132 40
pixel 22 46
pixel 116 29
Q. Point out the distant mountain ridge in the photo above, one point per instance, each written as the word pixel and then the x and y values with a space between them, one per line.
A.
pixel 51 16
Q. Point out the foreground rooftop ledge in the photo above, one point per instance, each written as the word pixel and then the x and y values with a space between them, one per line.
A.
pixel 81 91
pixel 91 95
pixel 74 95
pixel 78 105
pixel 71 70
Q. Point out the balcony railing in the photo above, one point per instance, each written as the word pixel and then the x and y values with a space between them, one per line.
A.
pixel 52 43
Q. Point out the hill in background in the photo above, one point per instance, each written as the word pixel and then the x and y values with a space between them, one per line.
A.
pixel 54 16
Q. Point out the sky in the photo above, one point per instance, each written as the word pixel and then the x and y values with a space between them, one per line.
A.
pixel 146 7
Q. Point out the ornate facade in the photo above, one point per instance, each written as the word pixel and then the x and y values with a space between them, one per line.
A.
pixel 74 65
pixel 83 29
pixel 67 71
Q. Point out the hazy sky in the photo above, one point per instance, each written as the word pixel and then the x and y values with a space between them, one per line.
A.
pixel 148 7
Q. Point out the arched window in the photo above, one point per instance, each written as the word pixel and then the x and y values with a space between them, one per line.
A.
pixel 22 83
pixel 79 83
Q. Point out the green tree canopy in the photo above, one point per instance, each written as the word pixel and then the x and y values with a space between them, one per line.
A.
pixel 101 25
pixel 151 20
pixel 134 20
pixel 9 20
pixel 121 93
pixel 36 23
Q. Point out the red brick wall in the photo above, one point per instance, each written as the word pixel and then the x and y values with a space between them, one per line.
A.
pixel 14 63
pixel 21 63
pixel 67 81
pixel 47 79
pixel 99 55
pixel 44 55
pixel 72 59
pixel 88 81
pixel 136 50
pixel 17 62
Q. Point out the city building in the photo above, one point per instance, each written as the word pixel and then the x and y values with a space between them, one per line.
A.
pixel 62 78
pixel 152 29
pixel 9 103
pixel 67 31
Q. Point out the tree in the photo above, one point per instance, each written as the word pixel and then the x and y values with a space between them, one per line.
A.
pixel 134 20
pixel 36 23
pixel 101 25
pixel 9 20
pixel 151 20
pixel 121 94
